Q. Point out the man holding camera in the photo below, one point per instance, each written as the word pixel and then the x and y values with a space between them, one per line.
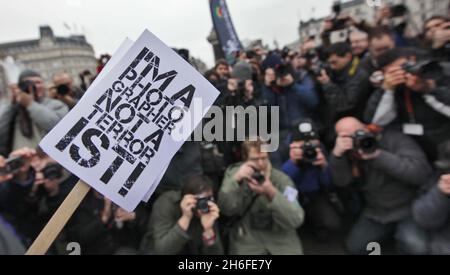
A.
pixel 414 98
pixel 432 210
pixel 297 100
pixel 345 87
pixel 262 204
pixel 389 168
pixel 36 186
pixel 29 116
pixel 308 168
pixel 65 90
pixel 184 222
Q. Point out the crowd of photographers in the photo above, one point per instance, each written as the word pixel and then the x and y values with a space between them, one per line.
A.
pixel 364 152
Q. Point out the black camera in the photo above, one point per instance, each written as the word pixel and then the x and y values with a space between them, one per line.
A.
pixel 53 171
pixel 310 55
pixel 202 204
pixel 339 23
pixel 27 86
pixel 258 177
pixel 428 69
pixel 316 69
pixel 398 10
pixel 309 152
pixel 12 165
pixel 365 141
pixel 63 89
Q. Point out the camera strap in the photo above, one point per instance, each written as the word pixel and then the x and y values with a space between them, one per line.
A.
pixel 239 218
pixel 409 107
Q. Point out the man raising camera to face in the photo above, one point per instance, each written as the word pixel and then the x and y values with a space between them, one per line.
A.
pixel 185 222
pixel 388 168
pixel 309 170
pixel 414 98
pixel 262 203
pixel 29 116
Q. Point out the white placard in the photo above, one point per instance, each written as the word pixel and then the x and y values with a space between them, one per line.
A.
pixel 124 132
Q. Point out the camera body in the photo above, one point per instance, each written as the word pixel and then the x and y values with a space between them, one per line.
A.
pixel 428 69
pixel 316 69
pixel 365 141
pixel 309 152
pixel 398 10
pixel 202 204
pixel 12 165
pixel 63 89
pixel 305 132
pixel 26 86
pixel 259 177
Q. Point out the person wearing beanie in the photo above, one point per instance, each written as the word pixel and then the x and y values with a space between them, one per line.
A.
pixel 29 115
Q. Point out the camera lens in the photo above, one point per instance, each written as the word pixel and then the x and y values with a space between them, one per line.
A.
pixel 202 205
pixel 309 152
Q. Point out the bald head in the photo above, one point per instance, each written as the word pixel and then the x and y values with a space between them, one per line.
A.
pixel 348 126
pixel 62 78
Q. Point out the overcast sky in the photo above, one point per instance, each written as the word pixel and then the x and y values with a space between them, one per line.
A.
pixel 179 23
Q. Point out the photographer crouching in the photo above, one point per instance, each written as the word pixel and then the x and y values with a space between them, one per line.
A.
pixel 262 204
pixel 389 169
pixel 184 222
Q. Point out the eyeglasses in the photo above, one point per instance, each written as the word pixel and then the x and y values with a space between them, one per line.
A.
pixel 259 159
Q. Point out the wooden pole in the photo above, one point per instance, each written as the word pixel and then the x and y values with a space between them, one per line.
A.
pixel 59 219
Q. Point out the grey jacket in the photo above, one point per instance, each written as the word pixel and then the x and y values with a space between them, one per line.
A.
pixel 45 115
pixel 432 211
pixel 165 237
pixel 284 214
pixel 390 182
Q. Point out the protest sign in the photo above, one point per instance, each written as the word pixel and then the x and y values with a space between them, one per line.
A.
pixel 119 138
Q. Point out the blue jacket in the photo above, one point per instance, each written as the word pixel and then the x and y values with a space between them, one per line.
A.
pixel 307 180
pixel 296 102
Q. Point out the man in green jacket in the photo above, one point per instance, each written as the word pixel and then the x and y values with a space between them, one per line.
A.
pixel 265 209
pixel 184 222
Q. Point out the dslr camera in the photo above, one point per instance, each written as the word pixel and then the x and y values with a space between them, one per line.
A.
pixel 429 69
pixel 63 89
pixel 305 132
pixel 12 166
pixel 27 86
pixel 365 141
pixel 259 177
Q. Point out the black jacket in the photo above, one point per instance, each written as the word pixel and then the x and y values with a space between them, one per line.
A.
pixel 390 182
pixel 436 125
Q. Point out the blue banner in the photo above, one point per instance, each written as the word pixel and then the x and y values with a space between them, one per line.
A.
pixel 225 31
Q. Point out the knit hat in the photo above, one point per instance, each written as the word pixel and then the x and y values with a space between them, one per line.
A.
pixel 28 73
